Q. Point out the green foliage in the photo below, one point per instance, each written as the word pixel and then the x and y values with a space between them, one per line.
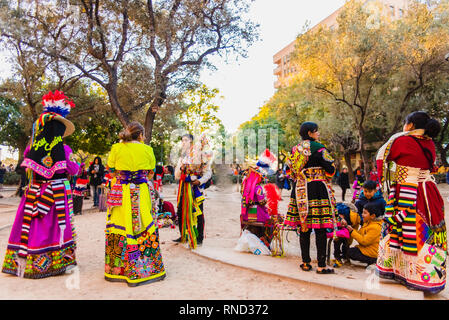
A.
pixel 12 134
pixel 11 178
pixel 358 81
pixel 96 136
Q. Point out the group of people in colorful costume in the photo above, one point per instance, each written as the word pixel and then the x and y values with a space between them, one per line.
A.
pixel 412 245
pixel 42 241
pixel 406 238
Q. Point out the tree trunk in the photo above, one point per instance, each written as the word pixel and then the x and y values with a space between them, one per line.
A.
pixel 347 156
pixel 121 115
pixel 363 154
pixel 151 114
pixel 149 122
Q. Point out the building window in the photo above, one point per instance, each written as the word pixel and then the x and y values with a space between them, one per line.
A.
pixel 401 13
pixel 392 11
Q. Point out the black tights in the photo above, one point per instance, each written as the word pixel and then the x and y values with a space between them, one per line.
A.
pixel 321 244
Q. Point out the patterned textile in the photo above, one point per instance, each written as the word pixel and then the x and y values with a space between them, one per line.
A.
pixel 133 262
pixel 135 212
pixel 400 213
pixel 318 207
pixel 80 188
pixel 132 240
pixel 412 249
pixel 253 203
pixel 298 208
pixel 190 211
pixel 39 245
pixel 114 198
pixel 40 265
pixel 40 198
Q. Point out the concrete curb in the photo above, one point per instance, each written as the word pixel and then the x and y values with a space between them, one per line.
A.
pixel 385 290
pixel 5 227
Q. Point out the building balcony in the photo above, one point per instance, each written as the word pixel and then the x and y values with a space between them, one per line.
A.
pixel 278 71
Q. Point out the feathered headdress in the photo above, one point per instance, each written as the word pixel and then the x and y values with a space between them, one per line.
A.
pixel 267 160
pixel 58 103
pixel 56 107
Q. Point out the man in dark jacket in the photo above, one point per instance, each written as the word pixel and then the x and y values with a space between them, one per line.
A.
pixel 370 194
pixel 343 182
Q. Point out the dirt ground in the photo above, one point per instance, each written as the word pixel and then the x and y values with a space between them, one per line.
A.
pixel 188 276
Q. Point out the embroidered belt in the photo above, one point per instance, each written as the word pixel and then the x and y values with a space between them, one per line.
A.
pixel 315 174
pixel 406 174
pixel 136 177
pixel 125 177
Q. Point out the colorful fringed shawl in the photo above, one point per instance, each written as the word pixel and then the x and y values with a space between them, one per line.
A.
pixel 190 206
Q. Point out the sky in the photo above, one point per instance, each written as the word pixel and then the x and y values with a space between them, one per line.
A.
pixel 247 84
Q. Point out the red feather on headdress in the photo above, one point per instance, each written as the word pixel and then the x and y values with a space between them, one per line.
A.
pixel 273 194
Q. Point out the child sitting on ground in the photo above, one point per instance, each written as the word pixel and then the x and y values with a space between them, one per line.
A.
pixel 341 244
pixel 370 194
pixel 368 236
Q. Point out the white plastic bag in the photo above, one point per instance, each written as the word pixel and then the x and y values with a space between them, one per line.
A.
pixel 249 242
pixel 242 244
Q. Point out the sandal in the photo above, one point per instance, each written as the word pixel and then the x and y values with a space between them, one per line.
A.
pixel 325 271
pixel 305 266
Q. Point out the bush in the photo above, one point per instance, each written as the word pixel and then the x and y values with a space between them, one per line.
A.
pixel 11 178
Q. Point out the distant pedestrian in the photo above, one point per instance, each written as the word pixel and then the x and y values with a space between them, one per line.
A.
pixel 373 176
pixel 96 173
pixel 80 189
pixel 357 185
pixel 343 182
pixel 280 179
pixel 2 175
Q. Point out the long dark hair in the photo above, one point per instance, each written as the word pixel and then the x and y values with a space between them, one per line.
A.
pixel 99 161
pixel 305 128
pixel 421 120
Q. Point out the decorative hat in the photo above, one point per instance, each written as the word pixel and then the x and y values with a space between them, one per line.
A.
pixel 58 104
pixel 267 160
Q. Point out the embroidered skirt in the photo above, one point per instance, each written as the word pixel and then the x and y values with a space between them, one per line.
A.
pixel 413 246
pixel 42 240
pixel 132 250
pixel 317 202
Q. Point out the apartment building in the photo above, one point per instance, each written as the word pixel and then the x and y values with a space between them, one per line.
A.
pixel 285 69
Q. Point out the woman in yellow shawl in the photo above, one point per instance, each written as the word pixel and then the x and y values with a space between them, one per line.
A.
pixel 132 239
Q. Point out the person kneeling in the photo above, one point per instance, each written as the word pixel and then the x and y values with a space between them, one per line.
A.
pixel 368 235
